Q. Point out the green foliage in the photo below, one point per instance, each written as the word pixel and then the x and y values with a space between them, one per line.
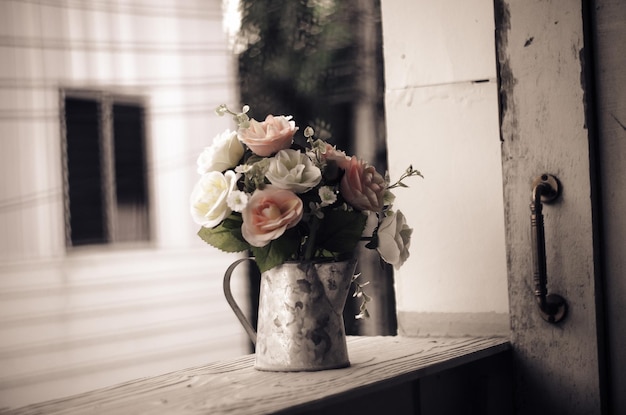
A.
pixel 226 236
pixel 409 172
pixel 277 251
pixel 340 230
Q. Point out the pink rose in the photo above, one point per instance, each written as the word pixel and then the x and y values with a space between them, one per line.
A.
pixel 270 136
pixel 331 154
pixel 362 186
pixel 268 214
pixel 335 160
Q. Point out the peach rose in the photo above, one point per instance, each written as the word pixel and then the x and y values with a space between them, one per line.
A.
pixel 268 214
pixel 362 186
pixel 267 137
pixel 335 160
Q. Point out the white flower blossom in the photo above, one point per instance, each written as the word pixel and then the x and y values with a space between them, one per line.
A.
pixel 223 154
pixel 327 195
pixel 394 239
pixel 243 168
pixel 209 198
pixel 293 170
pixel 237 200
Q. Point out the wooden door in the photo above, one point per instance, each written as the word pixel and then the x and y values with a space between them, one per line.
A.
pixel 548 125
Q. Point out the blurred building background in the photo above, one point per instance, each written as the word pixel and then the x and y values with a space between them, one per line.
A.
pixel 104 108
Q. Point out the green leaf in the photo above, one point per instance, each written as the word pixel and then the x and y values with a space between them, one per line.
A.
pixel 226 236
pixel 340 230
pixel 277 251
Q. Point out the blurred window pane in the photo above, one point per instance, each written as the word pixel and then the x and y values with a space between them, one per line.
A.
pixel 130 173
pixel 106 183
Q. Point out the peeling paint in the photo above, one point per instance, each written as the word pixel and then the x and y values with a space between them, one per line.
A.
pixel 585 82
pixel 506 81
pixel 544 88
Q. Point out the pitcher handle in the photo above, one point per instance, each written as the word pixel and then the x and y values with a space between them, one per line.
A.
pixel 233 304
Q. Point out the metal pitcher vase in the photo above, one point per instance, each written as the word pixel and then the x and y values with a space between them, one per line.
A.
pixel 300 319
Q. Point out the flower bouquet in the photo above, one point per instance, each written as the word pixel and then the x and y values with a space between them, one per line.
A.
pixel 259 191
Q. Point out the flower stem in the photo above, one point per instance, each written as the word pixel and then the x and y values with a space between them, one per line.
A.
pixel 409 172
pixel 310 243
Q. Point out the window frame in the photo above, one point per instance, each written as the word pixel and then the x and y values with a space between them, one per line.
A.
pixel 106 101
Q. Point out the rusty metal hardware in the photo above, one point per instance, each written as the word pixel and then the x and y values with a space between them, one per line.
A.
pixel 545 188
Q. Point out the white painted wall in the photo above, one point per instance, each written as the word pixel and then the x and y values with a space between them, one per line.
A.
pixel 75 320
pixel 445 123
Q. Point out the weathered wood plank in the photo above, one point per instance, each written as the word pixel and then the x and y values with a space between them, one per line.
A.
pixel 546 112
pixel 235 387
pixel 609 23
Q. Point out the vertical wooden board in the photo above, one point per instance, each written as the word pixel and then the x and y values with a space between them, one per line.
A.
pixel 609 26
pixel 544 130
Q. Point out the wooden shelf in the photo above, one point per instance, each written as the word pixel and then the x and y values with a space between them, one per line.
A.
pixel 235 387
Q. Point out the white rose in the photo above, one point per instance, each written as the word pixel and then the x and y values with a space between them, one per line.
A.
pixel 209 198
pixel 394 239
pixel 223 154
pixel 293 170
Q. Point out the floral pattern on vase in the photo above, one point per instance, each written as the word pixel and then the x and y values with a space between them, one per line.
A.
pixel 300 324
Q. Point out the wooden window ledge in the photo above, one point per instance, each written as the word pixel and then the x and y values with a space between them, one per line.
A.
pixel 235 387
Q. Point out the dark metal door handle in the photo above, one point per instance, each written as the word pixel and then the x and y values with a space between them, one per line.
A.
pixel 546 188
